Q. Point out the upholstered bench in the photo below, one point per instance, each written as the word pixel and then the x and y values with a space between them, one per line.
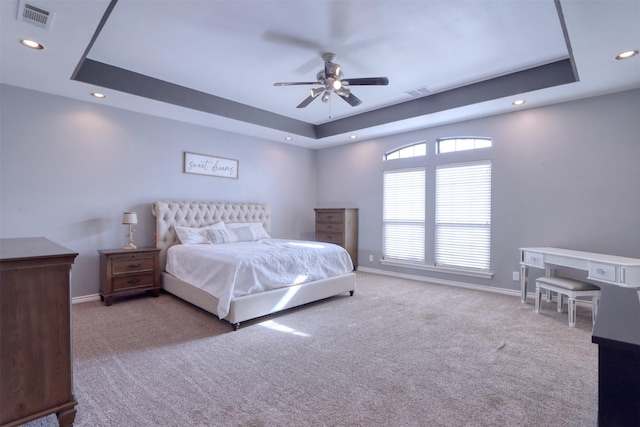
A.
pixel 572 289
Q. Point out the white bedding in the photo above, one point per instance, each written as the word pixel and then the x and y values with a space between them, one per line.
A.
pixel 231 270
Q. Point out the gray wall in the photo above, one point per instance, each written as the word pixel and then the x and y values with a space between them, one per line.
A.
pixel 566 175
pixel 69 169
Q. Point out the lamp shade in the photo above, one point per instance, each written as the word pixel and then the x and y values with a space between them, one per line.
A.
pixel 129 218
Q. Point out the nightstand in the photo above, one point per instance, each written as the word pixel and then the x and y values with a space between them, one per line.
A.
pixel 125 272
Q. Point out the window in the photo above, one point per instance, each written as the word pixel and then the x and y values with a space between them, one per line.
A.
pixel 404 214
pixel 448 145
pixel 414 150
pixel 463 215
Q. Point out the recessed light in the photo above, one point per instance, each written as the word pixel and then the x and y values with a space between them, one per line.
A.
pixel 518 102
pixel 98 95
pixel 288 138
pixel 353 136
pixel 626 55
pixel 31 44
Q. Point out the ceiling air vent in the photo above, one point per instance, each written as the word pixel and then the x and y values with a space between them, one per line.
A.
pixel 421 91
pixel 34 15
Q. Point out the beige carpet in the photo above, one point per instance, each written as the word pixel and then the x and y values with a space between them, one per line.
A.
pixel 397 353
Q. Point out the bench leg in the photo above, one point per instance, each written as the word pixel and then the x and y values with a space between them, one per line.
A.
pixel 572 311
pixel 559 297
pixel 595 302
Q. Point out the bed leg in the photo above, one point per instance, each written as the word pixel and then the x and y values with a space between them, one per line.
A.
pixel 351 293
pixel 235 326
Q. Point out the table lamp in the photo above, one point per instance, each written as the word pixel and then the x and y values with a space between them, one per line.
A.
pixel 130 218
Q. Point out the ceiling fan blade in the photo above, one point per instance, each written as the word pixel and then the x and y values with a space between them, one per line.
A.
pixel 306 101
pixel 366 81
pixel 351 99
pixel 291 41
pixel 296 83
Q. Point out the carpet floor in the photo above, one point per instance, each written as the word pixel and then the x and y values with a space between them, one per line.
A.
pixel 397 353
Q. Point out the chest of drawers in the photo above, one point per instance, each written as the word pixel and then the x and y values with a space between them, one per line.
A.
pixel 339 226
pixel 124 272
pixel 36 359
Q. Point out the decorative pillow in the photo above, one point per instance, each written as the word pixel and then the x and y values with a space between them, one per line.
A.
pixel 196 235
pixel 224 235
pixel 236 234
pixel 244 234
pixel 258 229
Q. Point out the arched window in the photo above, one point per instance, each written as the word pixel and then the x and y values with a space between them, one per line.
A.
pixel 448 145
pixel 413 150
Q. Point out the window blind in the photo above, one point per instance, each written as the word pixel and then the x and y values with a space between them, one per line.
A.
pixel 404 214
pixel 463 215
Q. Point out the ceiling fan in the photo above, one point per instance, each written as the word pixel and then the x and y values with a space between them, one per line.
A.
pixel 331 79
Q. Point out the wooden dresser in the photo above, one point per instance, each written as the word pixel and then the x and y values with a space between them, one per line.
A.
pixel 339 226
pixel 36 358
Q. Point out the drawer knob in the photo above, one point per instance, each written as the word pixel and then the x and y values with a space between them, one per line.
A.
pixel 132 281
pixel 599 271
pixel 329 226
pixel 329 216
pixel 133 265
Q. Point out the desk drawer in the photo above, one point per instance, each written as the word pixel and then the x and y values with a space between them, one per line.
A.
pixel 534 259
pixel 602 271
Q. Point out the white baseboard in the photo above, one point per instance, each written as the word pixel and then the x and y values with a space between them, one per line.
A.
pixel 85 298
pixel 511 292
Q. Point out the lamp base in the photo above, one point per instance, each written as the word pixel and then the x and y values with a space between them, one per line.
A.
pixel 130 246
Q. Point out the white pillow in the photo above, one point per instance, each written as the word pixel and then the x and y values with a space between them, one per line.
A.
pixel 224 235
pixel 258 229
pixel 235 234
pixel 196 235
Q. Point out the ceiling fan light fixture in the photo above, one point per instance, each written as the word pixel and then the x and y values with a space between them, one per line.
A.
pixel 337 85
pixel 317 91
pixel 344 91
pixel 325 96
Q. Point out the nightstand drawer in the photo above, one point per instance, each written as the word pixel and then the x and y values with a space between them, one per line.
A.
pixel 336 216
pixel 133 281
pixel 132 264
pixel 337 238
pixel 330 227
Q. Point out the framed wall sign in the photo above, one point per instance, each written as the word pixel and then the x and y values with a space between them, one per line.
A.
pixel 202 164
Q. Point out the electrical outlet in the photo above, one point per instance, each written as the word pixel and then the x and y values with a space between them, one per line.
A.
pixel 370 258
pixel 516 275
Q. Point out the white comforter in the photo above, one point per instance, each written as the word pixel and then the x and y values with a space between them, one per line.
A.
pixel 232 270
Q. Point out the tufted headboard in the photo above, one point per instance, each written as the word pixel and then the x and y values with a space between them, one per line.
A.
pixel 200 214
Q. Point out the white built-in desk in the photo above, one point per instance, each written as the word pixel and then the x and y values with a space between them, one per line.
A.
pixel 616 330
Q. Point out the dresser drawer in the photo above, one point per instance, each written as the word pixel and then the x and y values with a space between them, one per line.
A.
pixel 134 281
pixel 330 227
pixel 330 216
pixel 602 271
pixel 132 263
pixel 337 238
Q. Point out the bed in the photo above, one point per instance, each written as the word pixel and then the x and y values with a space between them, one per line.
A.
pixel 254 301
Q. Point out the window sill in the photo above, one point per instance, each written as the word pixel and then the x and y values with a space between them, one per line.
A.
pixel 448 270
